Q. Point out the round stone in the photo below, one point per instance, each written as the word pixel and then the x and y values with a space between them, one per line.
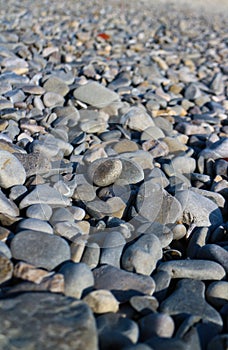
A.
pixel 104 172
pixel 102 301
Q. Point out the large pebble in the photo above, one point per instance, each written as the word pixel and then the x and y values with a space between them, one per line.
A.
pixel 143 255
pixel 215 253
pixel 197 269
pixel 7 207
pixel 104 172
pixel 6 268
pixel 40 249
pixel 217 293
pixel 188 298
pixel 137 119
pixel 122 283
pixel 156 324
pixel 132 172
pixel 12 171
pixel 95 95
pixel 77 278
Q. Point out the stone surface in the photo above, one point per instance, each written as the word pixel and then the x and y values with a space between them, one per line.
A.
pixel 40 249
pixel 156 324
pixel 105 172
pixel 52 316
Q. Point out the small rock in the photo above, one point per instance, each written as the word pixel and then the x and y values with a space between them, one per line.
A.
pixel 12 171
pixel 137 119
pixel 104 172
pixel 6 268
pixel 156 324
pixel 217 293
pixel 102 301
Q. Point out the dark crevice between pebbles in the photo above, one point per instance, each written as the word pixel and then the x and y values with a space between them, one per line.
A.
pixel 113 175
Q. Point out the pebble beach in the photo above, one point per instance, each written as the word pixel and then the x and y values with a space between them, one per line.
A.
pixel 114 175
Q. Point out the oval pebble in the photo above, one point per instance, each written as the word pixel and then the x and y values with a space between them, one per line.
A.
pixel 12 171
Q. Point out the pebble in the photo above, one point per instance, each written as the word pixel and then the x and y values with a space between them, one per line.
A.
pixel 34 225
pixel 6 268
pixel 132 172
pixel 77 278
pixel 39 211
pixel 52 99
pixel 193 291
pixel 115 323
pixel 112 248
pixel 101 301
pixel 40 249
pixel 137 119
pixel 7 206
pixel 217 293
pixel 104 172
pixel 44 194
pixel 197 269
pixel 122 283
pixel 68 316
pixel 215 253
pixel 56 85
pixel 91 255
pixel 156 325
pixel 12 171
pixel 144 304
pixel 143 255
pixel 95 95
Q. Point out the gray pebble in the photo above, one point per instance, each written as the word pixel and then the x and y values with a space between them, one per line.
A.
pixel 112 249
pixel 197 269
pixel 7 206
pixel 40 249
pixel 77 279
pixel 143 255
pixel 39 211
pixel 132 172
pixel 104 172
pixel 215 253
pixel 12 171
pixel 156 324
pixel 217 293
pixel 91 255
pixel 34 225
pixel 52 99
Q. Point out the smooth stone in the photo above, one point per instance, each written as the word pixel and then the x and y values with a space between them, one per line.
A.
pixel 215 253
pixel 6 268
pixel 216 150
pixel 34 225
pixel 91 255
pixel 4 249
pixel 181 164
pixel 199 210
pixel 61 215
pixel 179 231
pixel 54 84
pixel 125 146
pixel 113 340
pixel 39 211
pixel 102 301
pixel 53 316
pixel 67 116
pixel 114 206
pixel 143 158
pixel 44 194
pixel 7 206
pixel 156 204
pixel 217 198
pixel 191 291
pixel 144 304
pixel 12 171
pixel 78 279
pixel 132 172
pixel 137 119
pixel 217 293
pixel 156 325
pixel 143 255
pixel 112 248
pixel 197 269
pixel 220 342
pixel 68 230
pixel 113 322
pixel 52 99
pixel 40 249
pixel 104 172
pixel 192 92
pixel 95 95
pixel 163 232
pixel 157 343
pixel 162 281
pixel 174 144
pixel 123 284
pixel 17 192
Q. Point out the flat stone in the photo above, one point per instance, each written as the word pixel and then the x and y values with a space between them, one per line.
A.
pixel 101 301
pixel 191 291
pixel 125 146
pixel 52 99
pixel 217 293
pixel 114 206
pixel 104 172
pixel 30 273
pixel 34 225
pixel 77 278
pixel 12 171
pixel 40 249
pixel 197 269
pixel 162 281
pixel 152 133
pixel 181 164
pixel 156 324
pixel 95 95
pixel 53 316
pixel 44 194
pixel 121 282
pixel 34 163
pixel 4 249
pixel 54 84
pixel 143 255
pixel 91 255
pixel 112 248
